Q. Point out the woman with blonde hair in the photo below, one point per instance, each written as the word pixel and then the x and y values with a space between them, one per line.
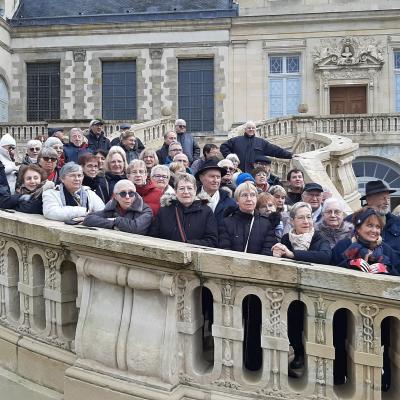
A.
pixel 115 167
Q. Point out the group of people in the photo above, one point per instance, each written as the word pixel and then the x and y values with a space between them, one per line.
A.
pixel 228 198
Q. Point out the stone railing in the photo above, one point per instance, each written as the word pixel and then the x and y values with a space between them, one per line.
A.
pixel 103 314
pixel 324 158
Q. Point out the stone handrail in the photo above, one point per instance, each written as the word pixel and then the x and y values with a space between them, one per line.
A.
pixel 323 158
pixel 83 311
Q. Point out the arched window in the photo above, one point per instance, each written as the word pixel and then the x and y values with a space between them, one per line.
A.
pixel 3 101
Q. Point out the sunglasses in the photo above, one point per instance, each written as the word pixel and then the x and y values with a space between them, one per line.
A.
pixel 34 149
pixel 47 159
pixel 124 193
pixel 181 126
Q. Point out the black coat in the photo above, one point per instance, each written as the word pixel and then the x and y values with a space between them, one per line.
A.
pixel 99 185
pixel 137 218
pixel 225 202
pixel 98 142
pixel 162 154
pixel 234 231
pixel 4 186
pixel 248 148
pixel 198 223
pixel 109 182
pixel 319 251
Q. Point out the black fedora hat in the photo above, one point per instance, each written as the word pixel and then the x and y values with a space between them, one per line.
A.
pixel 211 163
pixel 374 187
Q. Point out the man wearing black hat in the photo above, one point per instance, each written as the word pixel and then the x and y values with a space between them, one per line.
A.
pixel 122 128
pixel 377 196
pixel 210 177
pixel 56 132
pixel 96 137
pixel 265 163
pixel 248 147
pixel 312 194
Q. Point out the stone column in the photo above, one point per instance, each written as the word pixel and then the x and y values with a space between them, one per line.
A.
pixel 78 83
pixel 156 80
pixel 239 81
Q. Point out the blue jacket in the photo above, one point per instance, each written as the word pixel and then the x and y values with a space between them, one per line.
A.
pixel 340 260
pixel 248 148
pixel 189 146
pixel 72 152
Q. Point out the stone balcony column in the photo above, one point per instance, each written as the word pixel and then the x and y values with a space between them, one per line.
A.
pixel 156 80
pixel 239 48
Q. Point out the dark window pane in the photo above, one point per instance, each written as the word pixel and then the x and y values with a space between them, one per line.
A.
pixel 119 90
pixel 43 91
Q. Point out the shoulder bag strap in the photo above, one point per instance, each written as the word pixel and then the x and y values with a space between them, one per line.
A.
pixel 248 237
pixel 180 226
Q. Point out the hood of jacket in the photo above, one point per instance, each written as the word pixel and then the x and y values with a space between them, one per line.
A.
pixel 169 199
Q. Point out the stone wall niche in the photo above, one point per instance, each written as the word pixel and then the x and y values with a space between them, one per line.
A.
pixel 10 301
pixel 38 303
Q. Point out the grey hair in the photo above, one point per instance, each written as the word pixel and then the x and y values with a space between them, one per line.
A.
pixel 47 152
pixel 180 121
pixel 277 189
pixel 174 142
pixel 245 187
pixel 167 133
pixel 331 200
pixel 123 182
pixel 225 163
pixel 162 168
pixel 69 168
pixel 186 178
pixel 75 129
pixel 152 152
pixel 181 154
pixel 296 207
pixel 51 141
pixel 233 157
pixel 136 164
pixel 33 142
pixel 248 123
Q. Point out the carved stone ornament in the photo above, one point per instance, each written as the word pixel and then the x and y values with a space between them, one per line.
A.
pixel 156 54
pixel 182 313
pixel 52 257
pixel 368 312
pixel 348 52
pixel 3 243
pixel 80 55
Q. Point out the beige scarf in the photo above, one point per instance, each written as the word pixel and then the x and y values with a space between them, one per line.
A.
pixel 302 241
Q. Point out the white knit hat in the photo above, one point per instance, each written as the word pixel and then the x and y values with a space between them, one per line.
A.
pixel 7 140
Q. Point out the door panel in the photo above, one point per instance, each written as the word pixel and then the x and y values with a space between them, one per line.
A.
pixel 348 100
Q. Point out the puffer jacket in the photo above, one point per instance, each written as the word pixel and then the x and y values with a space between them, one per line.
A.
pixel 198 222
pixel 136 219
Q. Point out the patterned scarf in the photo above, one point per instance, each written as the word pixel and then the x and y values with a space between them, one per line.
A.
pixel 301 241
pixel 79 198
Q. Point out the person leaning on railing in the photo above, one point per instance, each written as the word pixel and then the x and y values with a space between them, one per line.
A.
pixel 47 159
pixel 126 211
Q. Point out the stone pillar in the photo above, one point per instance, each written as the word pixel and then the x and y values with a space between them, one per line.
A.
pixel 239 80
pixel 156 80
pixel 78 83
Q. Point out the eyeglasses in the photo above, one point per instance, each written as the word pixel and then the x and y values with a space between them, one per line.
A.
pixel 124 193
pixel 251 195
pixel 58 147
pixel 139 172
pixel 47 159
pixel 92 166
pixel 183 189
pixel 304 217
pixel 11 147
pixel 34 149
pixel 261 174
pixel 75 176
pixel 160 176
pixel 175 149
pixel 181 126
pixel 229 169
pixel 316 195
pixel 334 212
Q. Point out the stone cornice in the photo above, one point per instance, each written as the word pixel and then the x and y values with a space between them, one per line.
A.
pixel 126 28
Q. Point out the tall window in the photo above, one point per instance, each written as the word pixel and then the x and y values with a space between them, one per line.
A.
pixel 3 101
pixel 43 91
pixel 397 78
pixel 119 90
pixel 284 85
pixel 196 94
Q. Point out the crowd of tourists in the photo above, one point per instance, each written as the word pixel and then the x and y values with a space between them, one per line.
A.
pixel 227 198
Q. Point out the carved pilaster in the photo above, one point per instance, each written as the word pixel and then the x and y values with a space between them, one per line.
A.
pixel 79 55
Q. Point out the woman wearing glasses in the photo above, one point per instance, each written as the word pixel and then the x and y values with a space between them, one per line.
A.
pixel 126 211
pixel 56 144
pixel 33 148
pixel 151 194
pixel 47 159
pixel 332 225
pixel 161 175
pixel 183 217
pixel 149 156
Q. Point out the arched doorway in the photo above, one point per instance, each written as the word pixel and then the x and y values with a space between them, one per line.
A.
pixel 373 168
pixel 3 101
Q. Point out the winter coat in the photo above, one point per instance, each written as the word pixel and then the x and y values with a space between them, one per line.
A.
pixel 225 202
pixel 248 148
pixel 334 235
pixel 189 146
pixel 234 232
pixel 339 259
pixel 4 187
pixel 110 181
pixel 10 169
pixel 319 251
pixel 151 195
pixel 27 160
pixel 273 180
pixel 292 198
pixel 133 154
pixel 98 142
pixel 72 152
pixel 55 210
pixel 197 220
pixel 136 219
pixel 98 185
pixel 162 154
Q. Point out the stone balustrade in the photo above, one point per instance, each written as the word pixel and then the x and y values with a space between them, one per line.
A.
pixel 323 158
pixel 95 313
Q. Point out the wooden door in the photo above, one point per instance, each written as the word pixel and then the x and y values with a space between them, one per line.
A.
pixel 348 99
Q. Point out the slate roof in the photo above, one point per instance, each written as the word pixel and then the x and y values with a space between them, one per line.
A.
pixel 76 12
